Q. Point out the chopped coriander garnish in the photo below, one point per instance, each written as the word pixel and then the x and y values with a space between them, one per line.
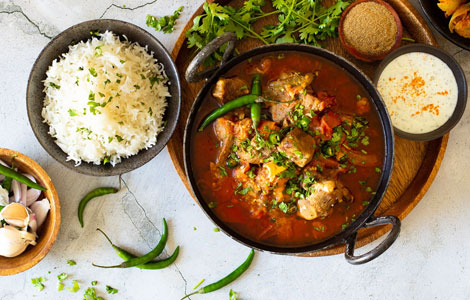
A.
pixel 75 287
pixel 111 290
pixel 344 226
pixel 283 207
pixel 91 96
pixel 122 61
pixel 90 294
pixel 121 123
pixel 119 138
pixel 223 172
pixel 62 276
pixel 142 76
pixel 212 204
pixel 368 189
pixel 60 286
pixel 94 282
pixel 106 160
pixel 110 139
pixel 150 111
pixel 37 282
pixel 358 97
pixel 72 262
pixel 52 84
pixel 118 81
pixel 378 170
pixel 136 86
pixel 72 112
pixel 119 75
pixel 365 203
pixel 80 68
pixel 93 72
pixel 98 51
pixel 194 228
pixel 107 81
pixel 165 23
pixel 101 94
pixel 216 229
pixel 362 182
pixel 364 151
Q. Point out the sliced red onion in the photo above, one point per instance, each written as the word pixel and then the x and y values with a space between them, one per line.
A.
pixel 2 177
pixel 15 187
pixel 3 163
pixel 30 177
pixel 40 209
pixel 24 189
pixel 31 196
pixel 33 223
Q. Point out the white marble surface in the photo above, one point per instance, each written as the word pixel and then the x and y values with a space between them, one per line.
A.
pixel 430 260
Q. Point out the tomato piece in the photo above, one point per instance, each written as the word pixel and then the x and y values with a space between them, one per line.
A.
pixel 328 122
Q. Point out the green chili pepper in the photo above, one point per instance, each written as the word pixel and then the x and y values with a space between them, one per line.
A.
pixel 93 194
pixel 227 279
pixel 256 85
pixel 9 173
pixel 227 107
pixel 255 114
pixel 231 162
pixel 256 107
pixel 152 265
pixel 275 138
pixel 132 262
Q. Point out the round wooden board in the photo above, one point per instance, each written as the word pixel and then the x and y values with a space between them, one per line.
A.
pixel 416 163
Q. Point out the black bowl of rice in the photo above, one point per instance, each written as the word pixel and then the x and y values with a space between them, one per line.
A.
pixel 103 97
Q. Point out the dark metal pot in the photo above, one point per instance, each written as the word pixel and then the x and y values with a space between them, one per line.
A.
pixel 365 219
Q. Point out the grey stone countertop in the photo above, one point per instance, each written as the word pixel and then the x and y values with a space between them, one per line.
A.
pixel 430 259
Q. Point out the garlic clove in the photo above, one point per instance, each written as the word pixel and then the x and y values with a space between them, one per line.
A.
pixel 4 200
pixel 13 242
pixel 15 214
pixel 40 209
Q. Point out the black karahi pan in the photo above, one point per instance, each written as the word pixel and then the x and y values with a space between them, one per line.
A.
pixel 365 219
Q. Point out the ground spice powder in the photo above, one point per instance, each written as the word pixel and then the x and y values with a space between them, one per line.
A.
pixel 370 28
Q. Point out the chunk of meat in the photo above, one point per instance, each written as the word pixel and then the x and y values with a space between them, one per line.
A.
pixel 227 89
pixel 281 111
pixel 299 147
pixel 224 131
pixel 325 195
pixel 250 151
pixel 288 86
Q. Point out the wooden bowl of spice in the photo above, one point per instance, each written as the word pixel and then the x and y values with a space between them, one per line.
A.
pixel 370 29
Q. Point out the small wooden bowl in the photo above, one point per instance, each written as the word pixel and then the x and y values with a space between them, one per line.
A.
pixel 47 234
pixel 353 51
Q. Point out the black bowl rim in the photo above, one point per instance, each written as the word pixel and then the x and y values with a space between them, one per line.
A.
pixel 389 142
pixel 452 37
pixel 459 78
pixel 169 128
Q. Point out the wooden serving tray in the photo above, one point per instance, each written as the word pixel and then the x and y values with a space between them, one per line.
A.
pixel 416 163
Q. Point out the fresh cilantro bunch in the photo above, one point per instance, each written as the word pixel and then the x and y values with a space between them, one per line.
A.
pixel 165 23
pixel 300 21
pixel 218 20
pixel 304 21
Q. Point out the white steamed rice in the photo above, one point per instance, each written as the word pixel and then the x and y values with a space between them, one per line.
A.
pixel 105 100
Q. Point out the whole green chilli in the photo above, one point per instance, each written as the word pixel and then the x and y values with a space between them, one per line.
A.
pixel 227 107
pixel 152 265
pixel 256 107
pixel 132 262
pixel 10 173
pixel 91 195
pixel 227 279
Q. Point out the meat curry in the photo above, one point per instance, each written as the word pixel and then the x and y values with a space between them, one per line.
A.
pixel 308 169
